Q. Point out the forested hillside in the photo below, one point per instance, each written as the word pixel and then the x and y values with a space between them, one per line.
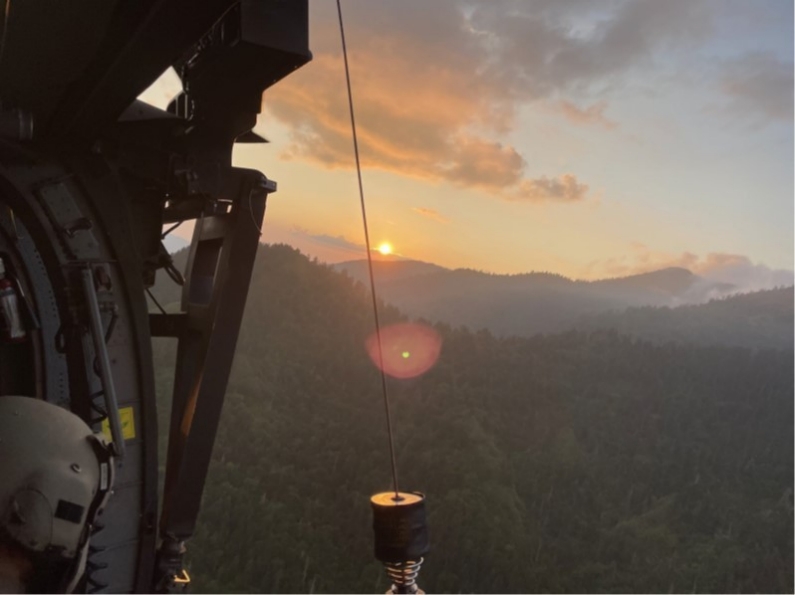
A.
pixel 525 304
pixel 760 319
pixel 577 462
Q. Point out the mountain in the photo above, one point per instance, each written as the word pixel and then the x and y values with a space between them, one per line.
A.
pixel 762 319
pixel 534 303
pixel 175 243
pixel 523 304
pixel 669 281
pixel 388 270
pixel 575 462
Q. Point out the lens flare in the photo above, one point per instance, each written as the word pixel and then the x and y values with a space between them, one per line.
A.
pixel 409 349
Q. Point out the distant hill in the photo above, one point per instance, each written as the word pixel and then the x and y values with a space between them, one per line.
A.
pixel 532 303
pixel 672 280
pixel 523 304
pixel 388 270
pixel 759 319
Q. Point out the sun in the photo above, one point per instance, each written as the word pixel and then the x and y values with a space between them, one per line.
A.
pixel 385 248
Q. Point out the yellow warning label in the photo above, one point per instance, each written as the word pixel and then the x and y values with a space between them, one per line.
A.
pixel 127 420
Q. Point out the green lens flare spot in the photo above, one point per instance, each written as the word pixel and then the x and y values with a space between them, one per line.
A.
pixel 406 355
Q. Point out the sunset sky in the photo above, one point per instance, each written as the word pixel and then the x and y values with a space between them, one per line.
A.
pixel 589 138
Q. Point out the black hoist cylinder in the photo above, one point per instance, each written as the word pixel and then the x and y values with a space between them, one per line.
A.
pixel 401 537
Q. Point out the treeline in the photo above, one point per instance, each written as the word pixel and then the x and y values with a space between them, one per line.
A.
pixel 578 462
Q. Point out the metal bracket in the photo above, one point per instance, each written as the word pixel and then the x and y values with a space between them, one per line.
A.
pixel 182 580
pixel 106 375
pixel 171 577
pixel 167 325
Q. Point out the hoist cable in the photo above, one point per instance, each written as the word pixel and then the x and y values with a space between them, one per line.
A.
pixel 369 258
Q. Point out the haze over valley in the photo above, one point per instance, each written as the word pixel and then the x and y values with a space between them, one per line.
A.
pixel 526 304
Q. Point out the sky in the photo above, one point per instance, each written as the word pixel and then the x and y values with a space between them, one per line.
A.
pixel 591 138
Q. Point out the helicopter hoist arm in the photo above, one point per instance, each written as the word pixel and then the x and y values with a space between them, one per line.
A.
pixel 249 49
pixel 214 295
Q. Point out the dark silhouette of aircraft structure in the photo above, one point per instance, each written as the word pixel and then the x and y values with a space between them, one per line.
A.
pixel 89 177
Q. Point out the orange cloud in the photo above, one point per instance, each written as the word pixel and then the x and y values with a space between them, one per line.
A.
pixel 405 125
pixel 483 164
pixel 429 103
pixel 565 188
pixel 423 141
pixel 436 84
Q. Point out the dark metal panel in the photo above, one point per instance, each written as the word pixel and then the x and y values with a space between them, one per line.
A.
pixel 167 325
pixel 124 526
pixel 131 346
pixel 19 172
pixel 46 199
pixel 142 40
pixel 46 46
pixel 52 372
pixel 258 43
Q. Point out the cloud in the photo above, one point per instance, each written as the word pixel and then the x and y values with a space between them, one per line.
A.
pixel 435 83
pixel 483 164
pixel 431 214
pixel 759 84
pixel 328 241
pixel 736 270
pixel 326 247
pixel 542 49
pixel 564 189
pixel 740 271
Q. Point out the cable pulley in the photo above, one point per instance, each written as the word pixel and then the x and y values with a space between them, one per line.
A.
pixel 401 537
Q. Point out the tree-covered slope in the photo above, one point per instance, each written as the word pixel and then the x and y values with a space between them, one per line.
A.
pixel 760 319
pixel 579 462
pixel 524 304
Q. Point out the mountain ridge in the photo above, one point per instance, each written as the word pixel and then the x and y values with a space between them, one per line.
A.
pixel 527 303
pixel 551 303
pixel 358 270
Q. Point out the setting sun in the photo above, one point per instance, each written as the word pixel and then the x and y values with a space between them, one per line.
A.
pixel 385 248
